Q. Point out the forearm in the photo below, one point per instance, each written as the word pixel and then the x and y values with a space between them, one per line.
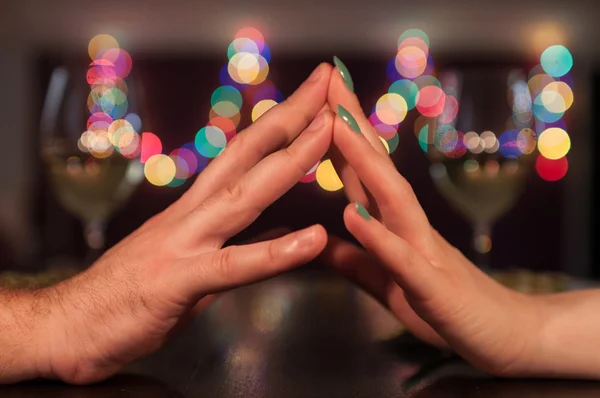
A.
pixel 569 338
pixel 21 313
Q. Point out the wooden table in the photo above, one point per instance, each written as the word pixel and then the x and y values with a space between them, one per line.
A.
pixel 304 334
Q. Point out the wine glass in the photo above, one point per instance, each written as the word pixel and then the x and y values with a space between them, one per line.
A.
pixel 482 172
pixel 89 175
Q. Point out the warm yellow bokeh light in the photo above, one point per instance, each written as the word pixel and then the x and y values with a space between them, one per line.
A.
pixel 101 43
pixel 244 67
pixel 261 107
pixel 554 143
pixel 557 97
pixel 160 170
pixel 327 177
pixel 391 108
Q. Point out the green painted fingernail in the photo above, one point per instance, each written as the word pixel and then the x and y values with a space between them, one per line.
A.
pixel 344 73
pixel 348 118
pixel 360 209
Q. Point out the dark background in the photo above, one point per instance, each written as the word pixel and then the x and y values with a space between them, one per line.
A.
pixel 178 49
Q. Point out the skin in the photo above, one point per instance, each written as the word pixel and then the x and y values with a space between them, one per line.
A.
pixel 432 288
pixel 143 289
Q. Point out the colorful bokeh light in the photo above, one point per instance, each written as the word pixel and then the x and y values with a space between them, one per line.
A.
pixel 327 177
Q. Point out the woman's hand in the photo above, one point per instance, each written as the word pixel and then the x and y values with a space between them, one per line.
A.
pixel 428 284
pixel 132 299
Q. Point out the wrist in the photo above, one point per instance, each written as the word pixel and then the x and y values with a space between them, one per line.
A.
pixel 22 315
pixel 567 335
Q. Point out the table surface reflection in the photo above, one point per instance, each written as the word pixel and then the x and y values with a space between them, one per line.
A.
pixel 304 334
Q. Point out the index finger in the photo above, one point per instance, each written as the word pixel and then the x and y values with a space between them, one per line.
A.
pixel 395 198
pixel 274 130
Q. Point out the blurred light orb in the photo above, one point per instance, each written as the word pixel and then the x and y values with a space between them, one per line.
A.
pixel 391 109
pixel 427 80
pixel 471 140
pixel 392 143
pixel 551 170
pixel 445 138
pixel 557 97
pixel 450 110
pixel 459 149
pixel 544 114
pixel 423 137
pixel 201 161
pixel 117 128
pixel 385 131
pixel 414 32
pixel 554 143
pixel 526 141
pixel 483 244
pixel 553 101
pixel 537 83
pixel 385 144
pixel 267 91
pixel 411 62
pixel 248 68
pixel 186 162
pixel 100 43
pixel 491 167
pixel 120 59
pixel 415 42
pixel 407 89
pixel 160 170
pixel 250 33
pixel 99 117
pixel 210 141
pixel 225 109
pixel 431 101
pixel 151 146
pixel 242 45
pixel 129 144
pixel 261 108
pixel 135 121
pixel 556 60
pixel 311 175
pixel 227 94
pixel 225 124
pixel 489 139
pixel 509 146
pixel 471 165
pixel 327 177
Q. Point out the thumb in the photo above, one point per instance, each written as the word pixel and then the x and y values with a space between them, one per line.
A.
pixel 233 266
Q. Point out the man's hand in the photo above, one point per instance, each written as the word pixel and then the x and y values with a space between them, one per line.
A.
pixel 133 298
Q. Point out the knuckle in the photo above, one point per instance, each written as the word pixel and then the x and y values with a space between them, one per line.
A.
pixel 223 263
pixel 293 162
pixel 234 192
pixel 272 253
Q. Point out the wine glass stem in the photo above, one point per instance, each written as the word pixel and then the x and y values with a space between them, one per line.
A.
pixel 94 231
pixel 482 243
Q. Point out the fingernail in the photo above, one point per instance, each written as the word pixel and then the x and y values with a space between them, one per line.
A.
pixel 344 73
pixel 317 122
pixel 348 118
pixel 314 76
pixel 360 209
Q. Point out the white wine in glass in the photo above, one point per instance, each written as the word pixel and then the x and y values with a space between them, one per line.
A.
pixel 90 186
